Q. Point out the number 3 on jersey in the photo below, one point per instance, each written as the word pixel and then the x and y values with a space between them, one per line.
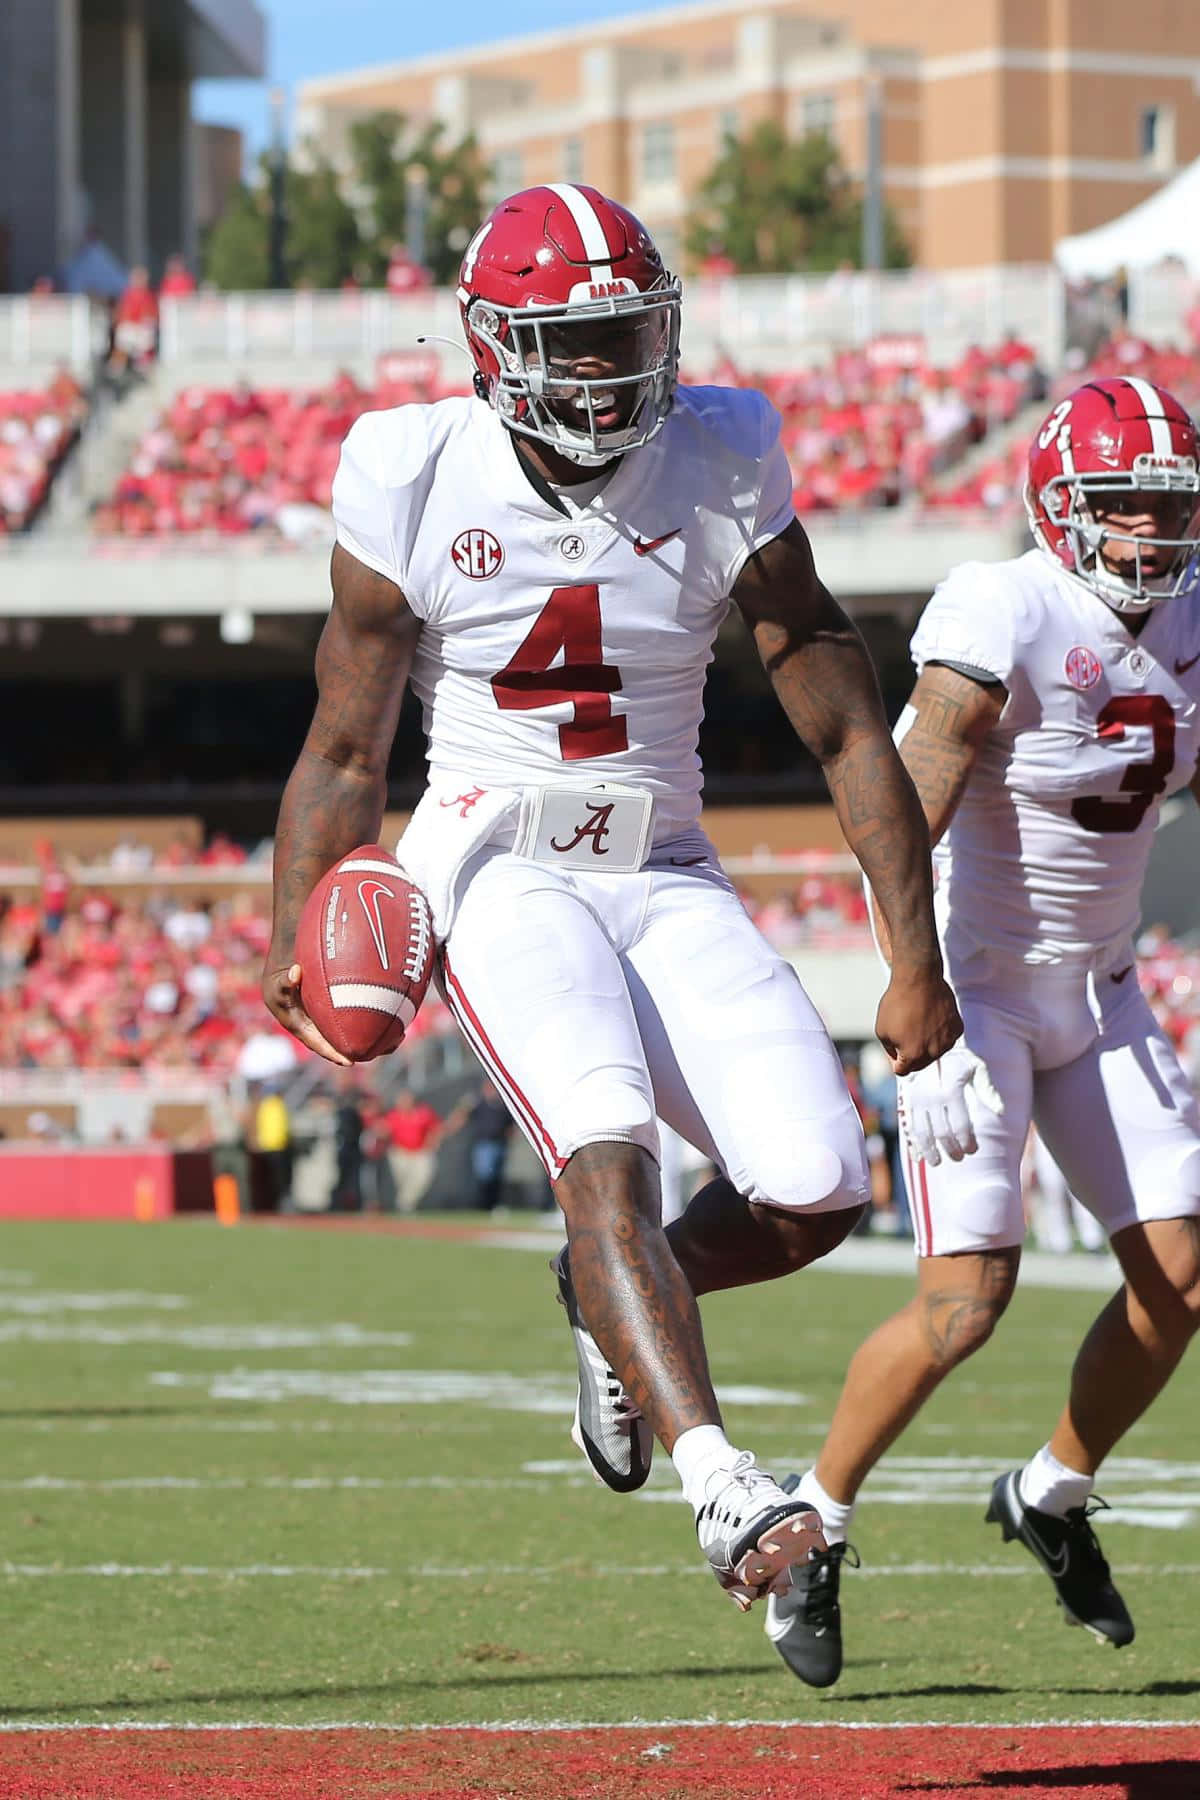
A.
pixel 570 622
pixel 1143 781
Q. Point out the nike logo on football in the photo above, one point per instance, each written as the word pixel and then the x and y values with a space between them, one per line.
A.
pixel 1181 668
pixel 370 893
pixel 643 547
pixel 1120 974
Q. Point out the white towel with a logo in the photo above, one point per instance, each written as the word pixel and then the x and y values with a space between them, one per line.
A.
pixel 454 818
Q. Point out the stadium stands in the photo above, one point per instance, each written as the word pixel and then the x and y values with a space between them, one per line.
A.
pixel 865 430
pixel 37 429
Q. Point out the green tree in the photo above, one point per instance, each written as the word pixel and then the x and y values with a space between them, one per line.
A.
pixel 321 246
pixel 236 253
pixel 393 170
pixel 779 205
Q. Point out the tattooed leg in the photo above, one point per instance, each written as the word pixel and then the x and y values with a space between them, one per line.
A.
pixel 891 1375
pixel 633 1296
pixel 724 1240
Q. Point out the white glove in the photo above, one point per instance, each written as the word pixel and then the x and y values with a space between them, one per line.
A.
pixel 932 1105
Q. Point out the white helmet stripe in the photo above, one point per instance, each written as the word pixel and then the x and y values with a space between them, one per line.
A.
pixel 595 244
pixel 1160 430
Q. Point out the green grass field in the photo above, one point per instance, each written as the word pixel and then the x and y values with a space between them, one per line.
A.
pixel 298 1475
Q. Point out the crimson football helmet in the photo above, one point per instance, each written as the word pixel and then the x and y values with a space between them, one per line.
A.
pixel 1118 446
pixel 572 322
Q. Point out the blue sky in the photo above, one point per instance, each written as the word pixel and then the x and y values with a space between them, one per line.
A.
pixel 323 37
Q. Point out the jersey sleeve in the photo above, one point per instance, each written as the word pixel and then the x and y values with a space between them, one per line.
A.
pixel 968 624
pixel 361 502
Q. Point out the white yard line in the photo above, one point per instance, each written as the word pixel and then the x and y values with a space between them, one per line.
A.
pixel 542 1571
pixel 525 1726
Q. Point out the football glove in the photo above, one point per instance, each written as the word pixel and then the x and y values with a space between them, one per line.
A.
pixel 934 1108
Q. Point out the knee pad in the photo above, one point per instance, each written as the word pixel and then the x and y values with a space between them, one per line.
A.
pixel 799 1171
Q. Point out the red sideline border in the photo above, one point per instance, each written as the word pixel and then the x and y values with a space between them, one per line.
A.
pixel 671 1760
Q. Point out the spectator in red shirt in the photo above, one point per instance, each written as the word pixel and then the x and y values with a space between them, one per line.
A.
pixel 404 276
pixel 413 1131
pixel 177 279
pixel 135 324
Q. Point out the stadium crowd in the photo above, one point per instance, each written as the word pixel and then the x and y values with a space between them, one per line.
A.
pixel 864 430
pixel 37 429
pixel 93 979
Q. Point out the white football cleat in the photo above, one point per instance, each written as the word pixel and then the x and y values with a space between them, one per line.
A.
pixel 752 1532
pixel 608 1427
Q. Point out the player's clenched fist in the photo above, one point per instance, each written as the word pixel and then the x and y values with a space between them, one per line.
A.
pixel 918 1019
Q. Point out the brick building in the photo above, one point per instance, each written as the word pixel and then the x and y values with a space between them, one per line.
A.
pixel 1003 124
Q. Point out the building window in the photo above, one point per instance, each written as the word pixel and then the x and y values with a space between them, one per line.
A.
pixel 727 126
pixel 508 172
pixel 658 152
pixel 572 163
pixel 817 114
pixel 1156 136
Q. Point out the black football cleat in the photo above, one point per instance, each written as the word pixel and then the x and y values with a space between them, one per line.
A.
pixel 805 1624
pixel 1069 1551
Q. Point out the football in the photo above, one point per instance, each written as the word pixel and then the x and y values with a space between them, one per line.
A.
pixel 365 948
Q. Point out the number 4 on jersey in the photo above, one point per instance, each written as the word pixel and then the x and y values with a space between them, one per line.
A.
pixel 570 622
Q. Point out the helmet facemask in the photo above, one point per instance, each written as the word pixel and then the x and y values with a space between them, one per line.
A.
pixel 1148 569
pixel 629 345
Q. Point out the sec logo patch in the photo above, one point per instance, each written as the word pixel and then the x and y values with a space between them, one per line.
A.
pixel 477 554
pixel 1082 667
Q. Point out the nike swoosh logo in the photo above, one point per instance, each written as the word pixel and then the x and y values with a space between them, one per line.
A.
pixel 1120 974
pixel 686 862
pixel 1181 668
pixel 643 547
pixel 369 894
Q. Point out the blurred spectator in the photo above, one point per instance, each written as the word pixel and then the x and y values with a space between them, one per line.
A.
pixel 488 1128
pixel 177 279
pixel 134 326
pixel 413 1130
pixel 404 276
pixel 348 1122
pixel 271 1140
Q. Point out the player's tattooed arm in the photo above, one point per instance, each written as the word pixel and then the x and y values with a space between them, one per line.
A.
pixel 336 793
pixel 825 682
pixel 953 715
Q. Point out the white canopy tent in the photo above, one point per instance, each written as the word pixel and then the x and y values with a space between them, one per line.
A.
pixel 1165 225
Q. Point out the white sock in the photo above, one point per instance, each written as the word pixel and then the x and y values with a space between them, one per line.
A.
pixel 699 1453
pixel 835 1514
pixel 1050 1487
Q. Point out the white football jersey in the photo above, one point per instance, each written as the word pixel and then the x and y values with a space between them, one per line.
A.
pixel 556 649
pixel 1047 851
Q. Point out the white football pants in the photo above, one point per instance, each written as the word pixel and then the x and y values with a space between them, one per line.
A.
pixel 1082 1056
pixel 596 1001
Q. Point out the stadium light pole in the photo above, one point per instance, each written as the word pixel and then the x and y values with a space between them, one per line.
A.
pixel 277 242
pixel 416 207
pixel 872 216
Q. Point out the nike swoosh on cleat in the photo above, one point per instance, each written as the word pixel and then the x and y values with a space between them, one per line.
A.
pixel 643 547
pixel 1181 668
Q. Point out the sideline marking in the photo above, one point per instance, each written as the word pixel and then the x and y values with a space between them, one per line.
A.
pixel 500 1727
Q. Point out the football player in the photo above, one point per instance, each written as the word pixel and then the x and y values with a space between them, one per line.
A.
pixel 548 561
pixel 1057 702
